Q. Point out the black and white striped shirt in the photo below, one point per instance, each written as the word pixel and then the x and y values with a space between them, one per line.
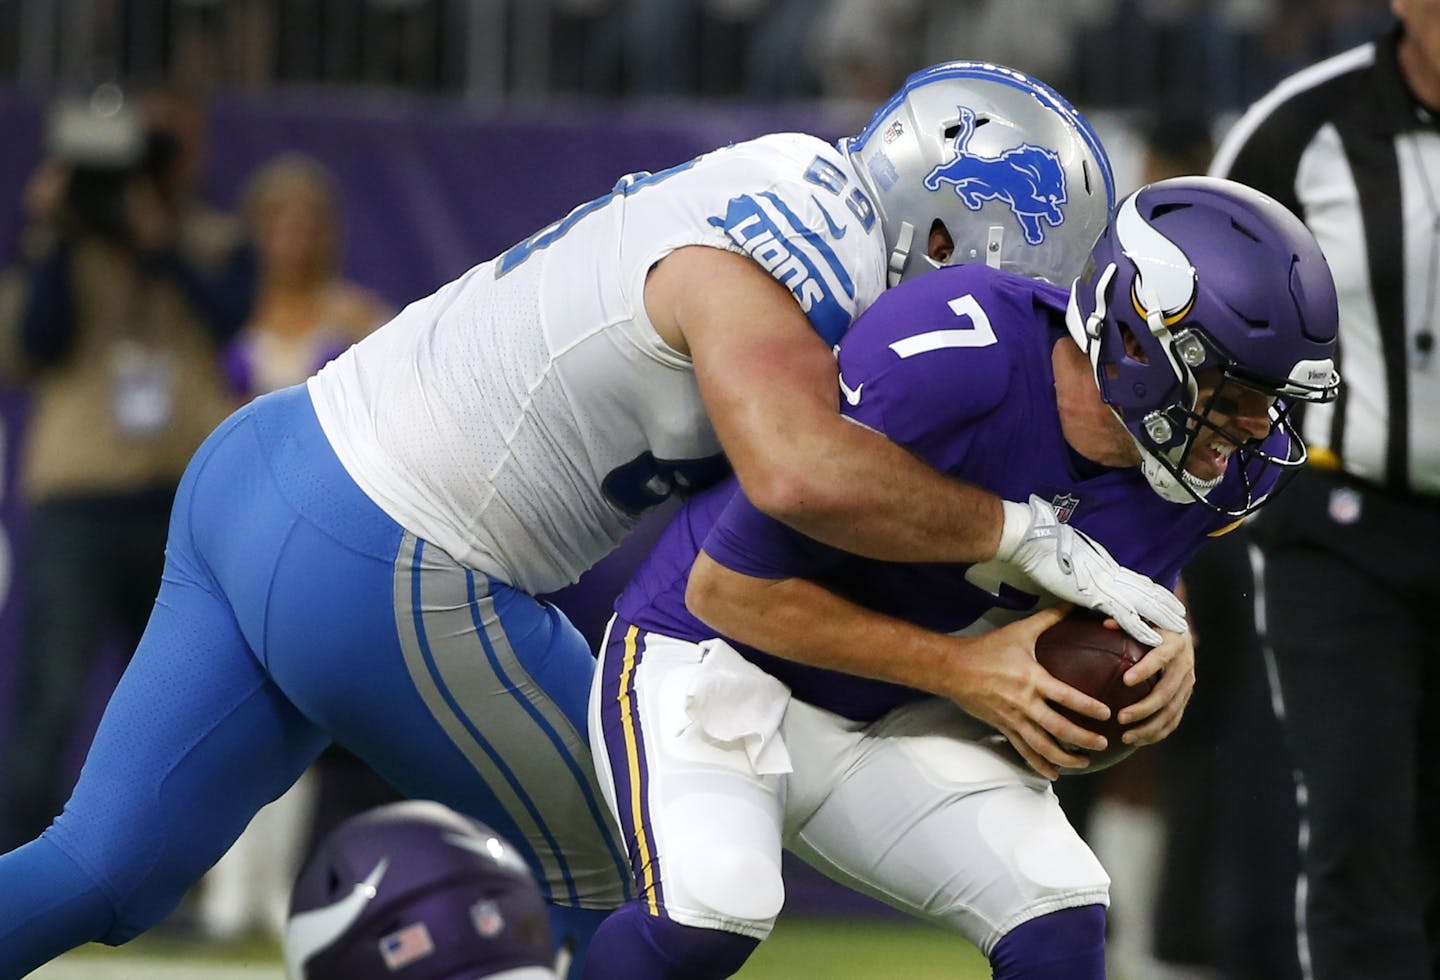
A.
pixel 1345 145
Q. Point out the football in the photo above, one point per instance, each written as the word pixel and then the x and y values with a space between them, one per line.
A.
pixel 1084 654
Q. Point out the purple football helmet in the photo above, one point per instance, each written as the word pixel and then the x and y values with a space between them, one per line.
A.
pixel 1202 276
pixel 416 891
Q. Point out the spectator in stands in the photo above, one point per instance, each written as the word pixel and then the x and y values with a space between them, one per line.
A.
pixel 305 313
pixel 115 344
pixel 862 48
pixel 758 49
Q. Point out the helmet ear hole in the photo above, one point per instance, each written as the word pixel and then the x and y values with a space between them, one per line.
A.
pixel 953 129
pixel 1133 348
pixel 940 246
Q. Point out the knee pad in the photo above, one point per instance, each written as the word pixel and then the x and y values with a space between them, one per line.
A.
pixel 729 885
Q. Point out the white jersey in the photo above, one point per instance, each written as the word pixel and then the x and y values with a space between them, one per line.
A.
pixel 524 416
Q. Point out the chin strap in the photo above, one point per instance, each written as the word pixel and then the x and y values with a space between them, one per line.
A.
pixel 900 254
pixel 1086 333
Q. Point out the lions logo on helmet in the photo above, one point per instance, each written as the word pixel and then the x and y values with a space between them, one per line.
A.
pixel 995 159
pixel 416 891
pixel 1027 178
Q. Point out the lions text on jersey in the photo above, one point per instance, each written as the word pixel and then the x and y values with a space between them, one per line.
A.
pixel 523 416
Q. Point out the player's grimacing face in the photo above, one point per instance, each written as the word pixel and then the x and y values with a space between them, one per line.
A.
pixel 1234 414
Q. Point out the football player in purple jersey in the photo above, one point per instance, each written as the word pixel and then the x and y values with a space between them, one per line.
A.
pixel 888 722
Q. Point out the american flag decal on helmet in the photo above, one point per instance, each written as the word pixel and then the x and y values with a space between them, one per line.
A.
pixel 406 946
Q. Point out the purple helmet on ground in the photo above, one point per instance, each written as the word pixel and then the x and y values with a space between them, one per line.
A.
pixel 416 891
pixel 1197 275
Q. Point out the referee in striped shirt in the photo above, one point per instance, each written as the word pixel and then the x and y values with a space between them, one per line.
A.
pixel 1351 583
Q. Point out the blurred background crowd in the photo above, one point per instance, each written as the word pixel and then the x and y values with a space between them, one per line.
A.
pixel 1204 55
pixel 204 200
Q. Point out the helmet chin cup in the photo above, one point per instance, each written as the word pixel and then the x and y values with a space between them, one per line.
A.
pixel 1164 481
pixel 1173 483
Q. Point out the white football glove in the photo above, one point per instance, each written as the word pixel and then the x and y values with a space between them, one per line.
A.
pixel 1075 567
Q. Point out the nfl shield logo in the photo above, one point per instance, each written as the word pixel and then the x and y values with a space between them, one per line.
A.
pixel 1344 505
pixel 1064 504
pixel 487 918
pixel 893 131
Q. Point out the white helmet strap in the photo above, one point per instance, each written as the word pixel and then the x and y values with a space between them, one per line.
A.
pixel 900 254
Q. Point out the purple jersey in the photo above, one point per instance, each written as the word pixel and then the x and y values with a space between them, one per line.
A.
pixel 956 366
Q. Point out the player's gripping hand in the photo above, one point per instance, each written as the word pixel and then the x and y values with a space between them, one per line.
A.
pixel 1157 715
pixel 1073 566
pixel 996 678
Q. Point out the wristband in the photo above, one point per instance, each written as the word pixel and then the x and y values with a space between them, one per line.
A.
pixel 1012 531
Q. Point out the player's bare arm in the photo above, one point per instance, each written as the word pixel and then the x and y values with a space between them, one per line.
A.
pixel 770 386
pixel 994 677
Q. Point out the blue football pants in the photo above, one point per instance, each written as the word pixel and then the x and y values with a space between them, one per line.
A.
pixel 294 612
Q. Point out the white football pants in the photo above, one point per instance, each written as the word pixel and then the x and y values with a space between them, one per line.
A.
pixel 711 768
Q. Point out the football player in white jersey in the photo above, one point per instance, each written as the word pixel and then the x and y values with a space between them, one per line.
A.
pixel 354 560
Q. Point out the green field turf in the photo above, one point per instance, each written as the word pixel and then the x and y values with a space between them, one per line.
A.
pixel 800 948
pixel 806 948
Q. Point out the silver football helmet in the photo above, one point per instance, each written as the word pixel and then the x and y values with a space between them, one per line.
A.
pixel 1016 176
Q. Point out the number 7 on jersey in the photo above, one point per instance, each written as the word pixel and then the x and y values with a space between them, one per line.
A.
pixel 976 333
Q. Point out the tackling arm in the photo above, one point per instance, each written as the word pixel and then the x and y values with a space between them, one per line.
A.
pixel 770 387
pixel 772 392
